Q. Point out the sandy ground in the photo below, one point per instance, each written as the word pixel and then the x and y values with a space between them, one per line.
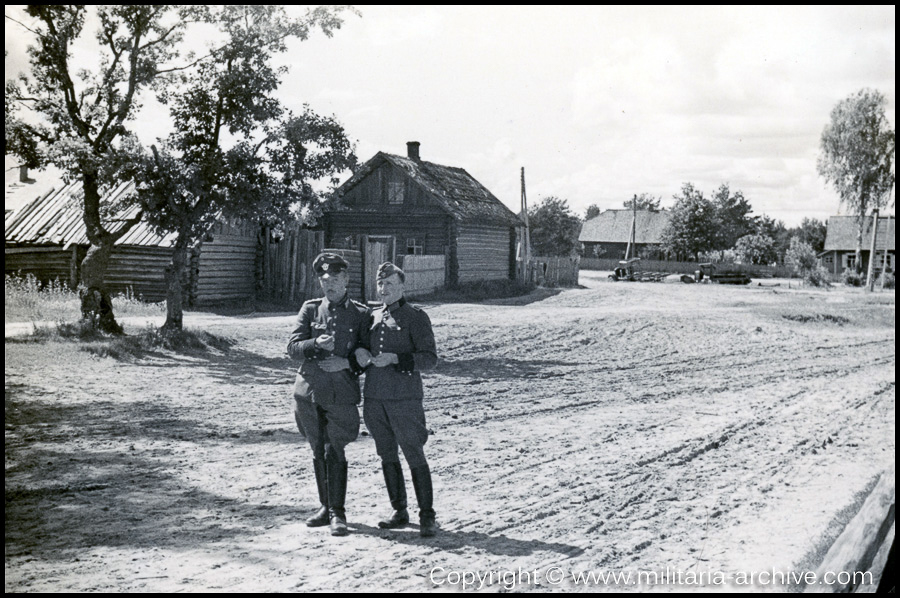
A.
pixel 694 430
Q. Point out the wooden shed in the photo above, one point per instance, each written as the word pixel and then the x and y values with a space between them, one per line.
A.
pixel 396 206
pixel 46 237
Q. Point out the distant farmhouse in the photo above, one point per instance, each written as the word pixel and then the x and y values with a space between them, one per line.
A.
pixel 607 234
pixel 45 236
pixel 396 206
pixel 840 243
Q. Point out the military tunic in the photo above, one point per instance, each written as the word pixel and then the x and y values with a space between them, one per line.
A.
pixel 393 394
pixel 325 403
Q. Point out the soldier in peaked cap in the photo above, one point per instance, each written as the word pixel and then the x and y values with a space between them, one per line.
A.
pixel 398 346
pixel 326 393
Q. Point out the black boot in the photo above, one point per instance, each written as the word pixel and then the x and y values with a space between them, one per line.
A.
pixel 421 477
pixel 320 519
pixel 337 491
pixel 396 487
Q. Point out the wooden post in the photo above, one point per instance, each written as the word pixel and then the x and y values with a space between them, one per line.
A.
pixel 887 240
pixel 870 281
pixel 527 253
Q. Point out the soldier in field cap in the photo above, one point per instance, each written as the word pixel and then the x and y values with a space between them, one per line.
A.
pixel 326 393
pixel 398 346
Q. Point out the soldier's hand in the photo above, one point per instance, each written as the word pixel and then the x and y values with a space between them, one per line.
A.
pixel 325 341
pixel 385 359
pixel 363 357
pixel 334 364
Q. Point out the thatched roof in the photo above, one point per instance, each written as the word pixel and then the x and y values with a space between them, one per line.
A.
pixel 55 218
pixel 614 226
pixel 842 231
pixel 455 190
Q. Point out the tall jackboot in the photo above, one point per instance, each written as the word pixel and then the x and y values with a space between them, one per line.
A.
pixel 320 519
pixel 396 487
pixel 337 492
pixel 421 477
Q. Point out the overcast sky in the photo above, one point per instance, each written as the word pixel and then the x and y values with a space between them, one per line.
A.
pixel 596 103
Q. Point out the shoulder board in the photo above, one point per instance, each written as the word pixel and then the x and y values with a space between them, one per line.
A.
pixel 359 305
pixel 316 301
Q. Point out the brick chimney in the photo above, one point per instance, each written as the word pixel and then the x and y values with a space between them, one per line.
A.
pixel 412 150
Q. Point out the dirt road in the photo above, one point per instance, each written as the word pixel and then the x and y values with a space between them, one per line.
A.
pixel 622 428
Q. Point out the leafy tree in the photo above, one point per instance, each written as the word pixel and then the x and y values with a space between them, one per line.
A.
pixel 265 170
pixel 592 211
pixel 857 156
pixel 733 214
pixel 756 249
pixel 692 227
pixel 80 116
pixel 802 258
pixel 554 228
pixel 812 232
pixel 644 201
pixel 775 230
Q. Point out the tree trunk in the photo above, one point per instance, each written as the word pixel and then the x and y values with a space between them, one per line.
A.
pixel 96 303
pixel 175 286
pixel 861 222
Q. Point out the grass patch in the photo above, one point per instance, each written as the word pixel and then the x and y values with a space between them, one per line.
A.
pixel 127 347
pixel 473 292
pixel 154 339
pixel 27 299
pixel 804 318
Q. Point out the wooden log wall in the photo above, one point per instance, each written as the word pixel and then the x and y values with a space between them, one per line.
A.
pixel 226 269
pixel 140 271
pixel 45 263
pixel 343 229
pixel 424 273
pixel 135 271
pixel 483 252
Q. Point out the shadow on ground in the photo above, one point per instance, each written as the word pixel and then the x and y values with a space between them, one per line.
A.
pixel 450 540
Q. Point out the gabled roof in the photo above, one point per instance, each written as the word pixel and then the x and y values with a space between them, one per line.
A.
pixel 55 218
pixel 455 190
pixel 614 226
pixel 842 231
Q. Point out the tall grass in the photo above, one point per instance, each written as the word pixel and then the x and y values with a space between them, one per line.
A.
pixel 26 299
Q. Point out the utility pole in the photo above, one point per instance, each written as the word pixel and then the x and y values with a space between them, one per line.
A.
pixel 527 253
pixel 887 240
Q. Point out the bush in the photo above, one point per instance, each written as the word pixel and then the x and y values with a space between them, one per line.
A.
pixel 817 277
pixel 853 278
pixel 886 280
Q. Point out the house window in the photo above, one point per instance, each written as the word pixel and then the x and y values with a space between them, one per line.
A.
pixel 395 192
pixel 414 247
pixel 829 259
pixel 850 260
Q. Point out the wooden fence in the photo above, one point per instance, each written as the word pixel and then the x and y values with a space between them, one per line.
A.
pixel 556 271
pixel 284 265
pixel 424 273
pixel 593 263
